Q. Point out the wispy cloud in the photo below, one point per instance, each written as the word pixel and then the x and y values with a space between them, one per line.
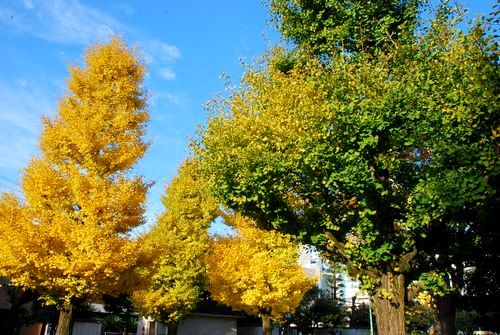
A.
pixel 61 21
pixel 21 108
pixel 167 74
pixel 166 98
pixel 28 4
pixel 126 9
pixel 157 51
pixel 160 55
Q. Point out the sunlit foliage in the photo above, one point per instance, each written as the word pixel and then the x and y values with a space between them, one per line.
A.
pixel 361 153
pixel 68 237
pixel 256 271
pixel 174 271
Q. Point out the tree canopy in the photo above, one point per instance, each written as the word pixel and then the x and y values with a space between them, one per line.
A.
pixel 68 237
pixel 317 308
pixel 174 270
pixel 360 154
pixel 327 26
pixel 257 271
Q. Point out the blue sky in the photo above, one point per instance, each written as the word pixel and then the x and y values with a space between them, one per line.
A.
pixel 186 44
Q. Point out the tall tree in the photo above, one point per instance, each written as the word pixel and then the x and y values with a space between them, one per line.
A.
pixel 174 272
pixel 257 271
pixel 326 27
pixel 68 237
pixel 356 153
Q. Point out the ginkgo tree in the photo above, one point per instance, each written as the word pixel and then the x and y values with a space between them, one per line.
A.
pixel 256 271
pixel 68 236
pixel 362 154
pixel 173 274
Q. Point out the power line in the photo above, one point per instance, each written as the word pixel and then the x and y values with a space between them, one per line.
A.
pixel 10 189
pixel 9 180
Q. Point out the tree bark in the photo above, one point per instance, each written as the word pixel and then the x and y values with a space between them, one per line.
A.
pixel 266 325
pixel 446 316
pixel 65 318
pixel 389 305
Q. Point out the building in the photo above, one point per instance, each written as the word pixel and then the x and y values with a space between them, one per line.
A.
pixel 336 284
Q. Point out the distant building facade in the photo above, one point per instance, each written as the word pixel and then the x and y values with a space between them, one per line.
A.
pixel 341 285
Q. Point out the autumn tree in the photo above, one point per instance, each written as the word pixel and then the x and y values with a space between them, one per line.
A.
pixel 174 272
pixel 256 271
pixel 68 237
pixel 361 153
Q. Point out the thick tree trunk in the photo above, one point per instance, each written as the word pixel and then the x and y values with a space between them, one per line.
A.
pixel 446 316
pixel 65 318
pixel 266 325
pixel 389 305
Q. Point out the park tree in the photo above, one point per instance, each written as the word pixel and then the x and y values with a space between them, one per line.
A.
pixel 68 236
pixel 316 308
pixel 173 273
pixel 325 26
pixel 256 271
pixel 360 154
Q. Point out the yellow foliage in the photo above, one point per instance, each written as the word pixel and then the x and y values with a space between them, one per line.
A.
pixel 256 271
pixel 68 237
pixel 175 267
pixel 425 299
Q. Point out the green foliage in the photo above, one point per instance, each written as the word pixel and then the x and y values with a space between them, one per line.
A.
pixel 360 316
pixel 173 273
pixel 467 321
pixel 317 308
pixel 117 323
pixel 419 318
pixel 327 26
pixel 334 280
pixel 436 283
pixel 363 155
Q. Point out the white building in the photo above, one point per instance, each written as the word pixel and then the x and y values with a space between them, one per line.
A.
pixel 315 267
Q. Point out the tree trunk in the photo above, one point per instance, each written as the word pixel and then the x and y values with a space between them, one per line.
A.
pixel 446 316
pixel 266 325
pixel 389 305
pixel 127 321
pixel 65 318
pixel 11 326
pixel 172 328
pixel 43 328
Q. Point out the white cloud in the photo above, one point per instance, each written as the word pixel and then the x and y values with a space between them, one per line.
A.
pixel 28 4
pixel 159 56
pixel 21 109
pixel 157 51
pixel 126 9
pixel 167 74
pixel 62 21
pixel 162 98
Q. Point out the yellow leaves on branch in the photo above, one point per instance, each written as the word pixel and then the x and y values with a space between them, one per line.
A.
pixel 174 273
pixel 68 238
pixel 256 271
pixel 101 120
